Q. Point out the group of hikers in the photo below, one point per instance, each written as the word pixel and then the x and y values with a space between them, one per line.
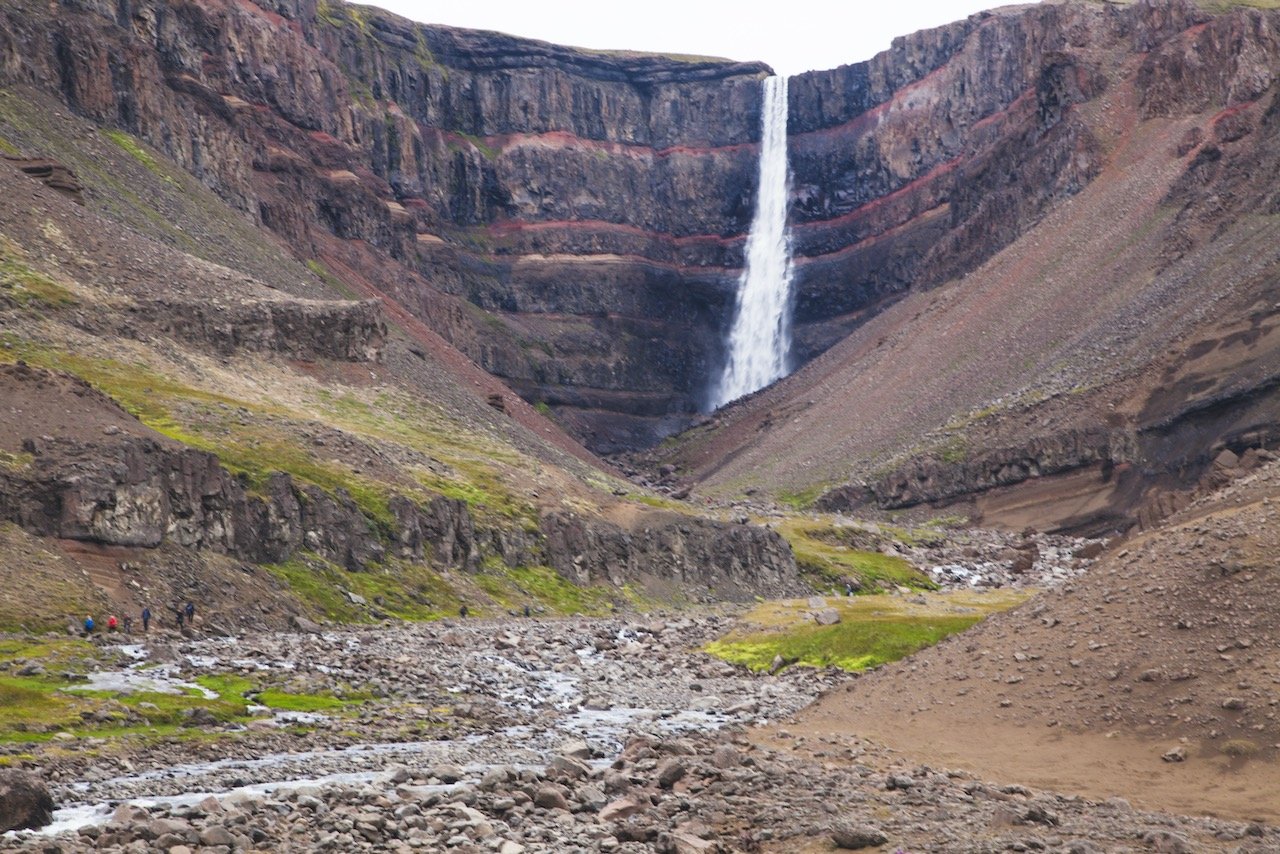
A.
pixel 184 614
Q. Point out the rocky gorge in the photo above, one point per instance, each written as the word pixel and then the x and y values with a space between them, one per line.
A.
pixel 594 207
pixel 319 320
pixel 593 735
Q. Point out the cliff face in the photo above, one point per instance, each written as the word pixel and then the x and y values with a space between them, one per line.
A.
pixel 1089 239
pixel 595 205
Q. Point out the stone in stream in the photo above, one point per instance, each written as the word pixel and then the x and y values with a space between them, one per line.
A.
pixel 576 748
pixel 550 798
pixel 447 773
pixel 570 767
pixel 670 772
pixel 25 802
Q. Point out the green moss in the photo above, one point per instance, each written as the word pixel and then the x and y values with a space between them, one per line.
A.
pixel 321 272
pixel 134 148
pixel 544 588
pixel 225 684
pixel 849 646
pixel 487 151
pixel 954 451
pixel 286 702
pixel 7 147
pixel 873 630
pixel 829 554
pixel 62 655
pixel 802 499
pixel 15 462
pixel 330 13
pixel 28 702
pixel 401 590
pixel 23 284
pixel 228 685
pixel 1226 5
pixel 425 58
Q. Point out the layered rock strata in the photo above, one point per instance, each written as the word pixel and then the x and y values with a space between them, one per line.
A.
pixel 594 204
pixel 134 488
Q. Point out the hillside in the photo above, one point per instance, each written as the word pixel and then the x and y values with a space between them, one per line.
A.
pixel 1085 376
pixel 191 413
pixel 1168 644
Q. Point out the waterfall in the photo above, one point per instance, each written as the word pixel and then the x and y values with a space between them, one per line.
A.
pixel 759 343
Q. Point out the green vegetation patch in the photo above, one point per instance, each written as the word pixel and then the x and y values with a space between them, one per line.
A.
pixel 23 284
pixel 288 702
pixel 70 656
pixel 802 499
pixel 1225 5
pixel 15 462
pixel 542 587
pixel 873 630
pixel 401 590
pixel 829 554
pixel 230 686
pixel 28 702
pixel 254 451
pixel 135 149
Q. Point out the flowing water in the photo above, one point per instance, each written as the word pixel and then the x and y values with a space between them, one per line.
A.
pixel 759 344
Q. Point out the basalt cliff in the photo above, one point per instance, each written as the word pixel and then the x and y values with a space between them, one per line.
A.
pixel 1033 253
pixel 575 221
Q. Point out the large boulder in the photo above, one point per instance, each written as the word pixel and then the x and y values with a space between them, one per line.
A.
pixel 25 802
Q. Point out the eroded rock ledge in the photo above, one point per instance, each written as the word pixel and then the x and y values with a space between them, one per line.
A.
pixel 141 492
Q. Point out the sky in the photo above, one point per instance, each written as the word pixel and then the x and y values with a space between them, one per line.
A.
pixel 810 35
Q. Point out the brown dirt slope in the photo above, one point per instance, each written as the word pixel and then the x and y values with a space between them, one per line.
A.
pixel 1168 642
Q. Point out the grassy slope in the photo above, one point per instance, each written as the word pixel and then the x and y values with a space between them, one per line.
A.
pixel 368 430
pixel 873 630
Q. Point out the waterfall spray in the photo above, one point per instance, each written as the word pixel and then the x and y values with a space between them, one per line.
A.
pixel 759 342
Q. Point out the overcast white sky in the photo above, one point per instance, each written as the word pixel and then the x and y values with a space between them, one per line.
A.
pixel 790 35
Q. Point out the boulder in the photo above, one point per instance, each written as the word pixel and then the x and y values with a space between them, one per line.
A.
pixel 852 837
pixel 827 617
pixel 25 802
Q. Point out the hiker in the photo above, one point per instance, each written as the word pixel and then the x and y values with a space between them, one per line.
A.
pixel 128 624
pixel 191 613
pixel 146 619
pixel 181 616
pixel 88 624
pixel 848 588
pixel 112 623
pixel 462 612
pixel 528 612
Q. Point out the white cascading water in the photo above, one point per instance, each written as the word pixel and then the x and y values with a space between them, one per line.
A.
pixel 759 342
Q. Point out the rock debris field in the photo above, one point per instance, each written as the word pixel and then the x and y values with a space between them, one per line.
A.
pixel 565 735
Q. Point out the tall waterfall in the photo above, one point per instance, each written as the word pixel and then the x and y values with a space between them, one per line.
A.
pixel 759 342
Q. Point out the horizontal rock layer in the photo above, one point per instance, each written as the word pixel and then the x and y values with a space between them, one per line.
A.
pixel 142 492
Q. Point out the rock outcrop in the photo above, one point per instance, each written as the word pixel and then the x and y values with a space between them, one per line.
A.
pixel 140 491
pixel 298 329
pixel 728 560
pixel 25 802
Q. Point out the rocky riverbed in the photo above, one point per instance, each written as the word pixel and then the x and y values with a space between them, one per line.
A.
pixel 541 735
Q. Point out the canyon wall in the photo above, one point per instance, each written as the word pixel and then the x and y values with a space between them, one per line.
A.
pixel 580 216
pixel 592 204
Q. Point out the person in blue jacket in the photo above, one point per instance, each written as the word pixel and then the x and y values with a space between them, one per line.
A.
pixel 88 624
